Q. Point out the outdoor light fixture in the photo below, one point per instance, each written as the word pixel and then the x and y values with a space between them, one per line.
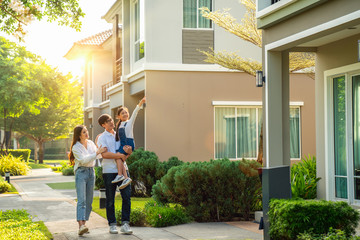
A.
pixel 7 177
pixel 259 78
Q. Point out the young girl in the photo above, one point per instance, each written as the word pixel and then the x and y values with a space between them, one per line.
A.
pixel 124 134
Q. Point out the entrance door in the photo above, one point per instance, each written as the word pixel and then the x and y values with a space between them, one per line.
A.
pixel 346 144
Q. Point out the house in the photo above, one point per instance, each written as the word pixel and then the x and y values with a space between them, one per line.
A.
pixel 331 29
pixel 195 110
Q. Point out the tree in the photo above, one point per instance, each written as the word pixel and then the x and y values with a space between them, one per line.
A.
pixel 63 112
pixel 18 91
pixel 248 31
pixel 15 14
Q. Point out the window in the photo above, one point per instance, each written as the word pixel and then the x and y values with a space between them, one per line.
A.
pixel 192 15
pixel 237 131
pixel 139 43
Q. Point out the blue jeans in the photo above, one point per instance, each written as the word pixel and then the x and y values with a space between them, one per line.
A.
pixel 110 199
pixel 84 182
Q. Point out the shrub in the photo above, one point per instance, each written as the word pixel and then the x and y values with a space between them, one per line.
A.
pixel 303 178
pixel 331 235
pixel 4 186
pixel 137 217
pixel 145 169
pixel 99 181
pixel 211 191
pixel 17 224
pixel 66 169
pixel 56 169
pixel 23 153
pixel 290 217
pixel 13 164
pixel 158 215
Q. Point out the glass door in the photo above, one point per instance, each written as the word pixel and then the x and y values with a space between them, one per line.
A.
pixel 356 134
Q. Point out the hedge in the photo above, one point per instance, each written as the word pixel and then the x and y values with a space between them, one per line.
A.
pixel 290 217
pixel 211 191
pixel 23 153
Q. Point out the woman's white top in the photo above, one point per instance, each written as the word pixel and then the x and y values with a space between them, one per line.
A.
pixel 84 157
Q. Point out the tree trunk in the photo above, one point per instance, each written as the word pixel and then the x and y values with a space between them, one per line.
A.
pixel 41 152
pixel 260 155
pixel 35 152
pixel 3 142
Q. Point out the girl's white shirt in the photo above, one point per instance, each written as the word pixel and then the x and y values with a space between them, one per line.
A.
pixel 130 123
pixel 84 157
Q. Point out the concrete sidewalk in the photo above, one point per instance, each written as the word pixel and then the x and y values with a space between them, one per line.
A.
pixel 57 209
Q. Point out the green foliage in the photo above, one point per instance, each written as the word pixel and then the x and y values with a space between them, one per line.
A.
pixel 66 13
pixel 290 217
pixel 13 165
pixel 137 217
pixel 4 186
pixel 303 178
pixel 211 191
pixel 158 215
pixel 331 235
pixel 23 153
pixel 17 224
pixel 145 167
pixel 67 170
pixel 99 181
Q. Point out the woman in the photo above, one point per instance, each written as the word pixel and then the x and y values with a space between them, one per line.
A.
pixel 82 156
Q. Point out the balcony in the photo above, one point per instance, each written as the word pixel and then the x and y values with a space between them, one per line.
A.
pixel 104 96
pixel 118 70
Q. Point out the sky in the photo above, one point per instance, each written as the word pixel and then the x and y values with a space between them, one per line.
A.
pixel 52 42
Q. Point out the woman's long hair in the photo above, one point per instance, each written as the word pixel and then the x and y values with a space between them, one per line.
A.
pixel 120 109
pixel 76 137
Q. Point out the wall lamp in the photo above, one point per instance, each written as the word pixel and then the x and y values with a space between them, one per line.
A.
pixel 260 79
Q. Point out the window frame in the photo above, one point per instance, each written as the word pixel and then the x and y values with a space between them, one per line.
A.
pixel 247 105
pixel 197 18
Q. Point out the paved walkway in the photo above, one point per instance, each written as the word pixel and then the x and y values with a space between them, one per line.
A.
pixel 57 209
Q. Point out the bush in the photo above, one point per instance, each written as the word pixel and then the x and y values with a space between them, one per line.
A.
pixel 66 169
pixel 99 181
pixel 303 179
pixel 17 224
pixel 13 164
pixel 211 191
pixel 332 235
pixel 137 217
pixel 158 215
pixel 23 153
pixel 290 217
pixel 4 186
pixel 145 169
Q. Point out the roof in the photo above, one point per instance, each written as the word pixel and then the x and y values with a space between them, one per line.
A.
pixel 89 44
pixel 95 40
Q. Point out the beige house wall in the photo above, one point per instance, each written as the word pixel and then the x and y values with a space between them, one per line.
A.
pixel 320 14
pixel 330 56
pixel 179 118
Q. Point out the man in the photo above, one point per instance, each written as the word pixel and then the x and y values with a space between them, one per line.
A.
pixel 107 139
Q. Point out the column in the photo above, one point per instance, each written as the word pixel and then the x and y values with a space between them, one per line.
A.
pixel 276 171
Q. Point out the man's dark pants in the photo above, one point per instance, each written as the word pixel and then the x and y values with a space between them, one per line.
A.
pixel 110 199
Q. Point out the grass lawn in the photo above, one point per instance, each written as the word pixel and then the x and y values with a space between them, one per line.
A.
pixel 62 185
pixel 135 203
pixel 46 164
pixel 38 166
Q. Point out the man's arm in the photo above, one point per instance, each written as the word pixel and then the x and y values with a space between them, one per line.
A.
pixel 110 155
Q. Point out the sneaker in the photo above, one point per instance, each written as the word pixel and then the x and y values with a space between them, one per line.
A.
pixel 113 229
pixel 126 229
pixel 125 183
pixel 118 178
pixel 83 229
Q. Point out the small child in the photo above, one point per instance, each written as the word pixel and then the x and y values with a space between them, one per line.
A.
pixel 124 133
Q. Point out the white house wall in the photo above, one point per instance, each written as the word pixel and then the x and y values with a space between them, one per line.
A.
pixel 102 74
pixel 224 40
pixel 163 31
